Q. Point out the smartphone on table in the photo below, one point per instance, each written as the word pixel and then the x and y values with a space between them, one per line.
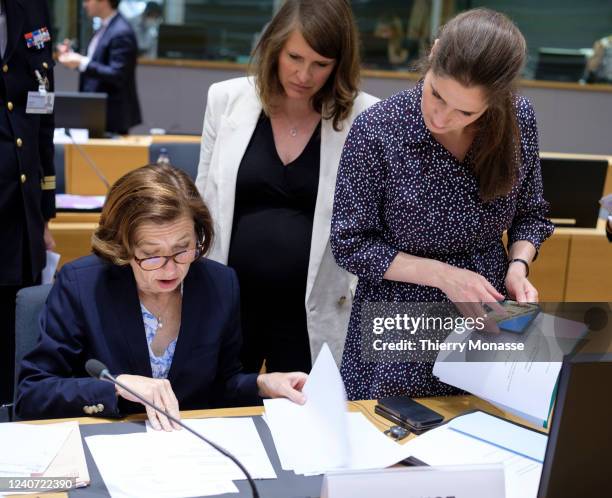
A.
pixel 407 413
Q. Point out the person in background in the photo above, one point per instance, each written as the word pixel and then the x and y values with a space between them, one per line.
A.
pixel 599 65
pixel 27 173
pixel 109 66
pixel 389 27
pixel 163 318
pixel 418 30
pixel 429 180
pixel 146 28
pixel 606 204
pixel 271 145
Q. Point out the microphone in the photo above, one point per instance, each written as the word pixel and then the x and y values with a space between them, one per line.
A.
pixel 89 160
pixel 98 370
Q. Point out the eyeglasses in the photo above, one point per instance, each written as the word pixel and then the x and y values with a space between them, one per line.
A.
pixel 181 258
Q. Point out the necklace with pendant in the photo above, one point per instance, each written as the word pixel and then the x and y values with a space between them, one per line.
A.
pixel 293 131
pixel 159 318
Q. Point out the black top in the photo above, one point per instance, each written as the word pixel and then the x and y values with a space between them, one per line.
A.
pixel 270 244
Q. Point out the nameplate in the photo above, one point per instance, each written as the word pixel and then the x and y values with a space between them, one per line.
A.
pixel 457 481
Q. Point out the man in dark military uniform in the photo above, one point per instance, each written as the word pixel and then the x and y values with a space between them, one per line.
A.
pixel 27 174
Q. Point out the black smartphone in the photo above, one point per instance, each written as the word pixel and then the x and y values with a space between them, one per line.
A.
pixel 407 413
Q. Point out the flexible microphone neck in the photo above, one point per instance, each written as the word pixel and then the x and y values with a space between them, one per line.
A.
pixel 98 370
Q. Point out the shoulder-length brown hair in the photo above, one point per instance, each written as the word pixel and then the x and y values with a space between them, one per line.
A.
pixel 329 28
pixel 150 194
pixel 481 47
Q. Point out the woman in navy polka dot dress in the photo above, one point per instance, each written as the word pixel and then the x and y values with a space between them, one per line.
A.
pixel 429 180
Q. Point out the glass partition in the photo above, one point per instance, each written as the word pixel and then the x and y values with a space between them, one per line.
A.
pixel 568 41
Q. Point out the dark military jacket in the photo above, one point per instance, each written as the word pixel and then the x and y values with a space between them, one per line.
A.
pixel 27 174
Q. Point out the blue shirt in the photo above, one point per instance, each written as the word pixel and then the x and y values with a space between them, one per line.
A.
pixel 160 365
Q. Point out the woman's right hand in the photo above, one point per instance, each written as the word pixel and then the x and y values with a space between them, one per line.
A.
pixel 157 391
pixel 469 290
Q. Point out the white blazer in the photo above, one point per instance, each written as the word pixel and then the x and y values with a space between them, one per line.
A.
pixel 232 111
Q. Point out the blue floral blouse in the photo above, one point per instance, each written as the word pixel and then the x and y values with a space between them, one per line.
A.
pixel 160 365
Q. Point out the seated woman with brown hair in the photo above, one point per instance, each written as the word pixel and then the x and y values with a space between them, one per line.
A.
pixel 164 319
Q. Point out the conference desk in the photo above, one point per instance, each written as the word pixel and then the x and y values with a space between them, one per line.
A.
pixel 449 407
pixel 113 158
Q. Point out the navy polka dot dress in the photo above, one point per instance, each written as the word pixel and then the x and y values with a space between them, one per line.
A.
pixel 398 189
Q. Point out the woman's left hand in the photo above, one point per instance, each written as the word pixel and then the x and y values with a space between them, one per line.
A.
pixel 283 385
pixel 519 287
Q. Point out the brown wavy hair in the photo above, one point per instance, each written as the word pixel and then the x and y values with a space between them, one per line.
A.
pixel 329 28
pixel 149 194
pixel 481 47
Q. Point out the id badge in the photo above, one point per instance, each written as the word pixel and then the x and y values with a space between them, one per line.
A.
pixel 40 103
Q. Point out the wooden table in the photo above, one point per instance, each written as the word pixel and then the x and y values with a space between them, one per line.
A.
pixel 113 157
pixel 448 406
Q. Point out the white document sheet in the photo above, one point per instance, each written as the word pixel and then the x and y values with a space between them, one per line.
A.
pixel 321 435
pixel 312 436
pixel 27 449
pixel 526 387
pixel 79 135
pixel 479 438
pixel 70 461
pixel 140 465
pixel 48 271
pixel 370 448
pixel 237 435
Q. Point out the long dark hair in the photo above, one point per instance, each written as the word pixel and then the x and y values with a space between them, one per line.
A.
pixel 481 47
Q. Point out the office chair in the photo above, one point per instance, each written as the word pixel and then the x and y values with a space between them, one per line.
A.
pixel 185 156
pixel 30 301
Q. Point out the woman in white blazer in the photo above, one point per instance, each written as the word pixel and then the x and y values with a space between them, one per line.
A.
pixel 271 146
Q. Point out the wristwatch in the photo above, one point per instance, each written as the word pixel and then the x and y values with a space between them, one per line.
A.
pixel 519 260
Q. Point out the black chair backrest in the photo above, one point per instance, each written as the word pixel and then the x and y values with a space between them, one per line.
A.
pixel 573 188
pixel 185 156
pixel 30 302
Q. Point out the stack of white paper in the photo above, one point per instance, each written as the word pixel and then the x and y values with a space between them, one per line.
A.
pixel 479 438
pixel 70 461
pixel 320 435
pixel 45 451
pixel 28 450
pixel 178 464
pixel 525 388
